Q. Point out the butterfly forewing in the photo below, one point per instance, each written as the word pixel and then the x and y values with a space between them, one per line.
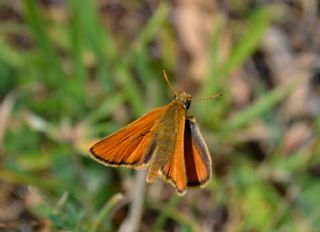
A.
pixel 131 146
pixel 196 155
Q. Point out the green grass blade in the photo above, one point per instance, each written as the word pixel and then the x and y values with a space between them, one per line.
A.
pixel 97 38
pixel 76 39
pixel 258 24
pixel 163 215
pixel 107 108
pixel 259 107
pixel 30 179
pixel 152 27
pixel 136 52
pixel 49 56
pixel 133 93
pixel 105 211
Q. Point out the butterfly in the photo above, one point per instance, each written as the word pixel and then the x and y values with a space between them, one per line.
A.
pixel 166 141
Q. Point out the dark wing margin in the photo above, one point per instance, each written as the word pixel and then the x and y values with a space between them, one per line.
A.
pixel 131 146
pixel 196 155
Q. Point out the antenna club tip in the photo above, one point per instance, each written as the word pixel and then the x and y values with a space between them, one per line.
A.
pixel 216 95
pixel 210 97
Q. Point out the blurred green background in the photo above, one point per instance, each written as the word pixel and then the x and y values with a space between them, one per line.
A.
pixel 72 72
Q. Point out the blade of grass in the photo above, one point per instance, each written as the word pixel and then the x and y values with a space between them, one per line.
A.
pixel 9 56
pixel 260 106
pixel 105 211
pixel 164 213
pixel 210 84
pixel 133 220
pixel 49 56
pixel 28 179
pixel 151 27
pixel 106 109
pixel 97 38
pixel 76 40
pixel 132 92
pixel 188 222
pixel 169 46
pixel 142 63
pixel 258 24
pixel 136 52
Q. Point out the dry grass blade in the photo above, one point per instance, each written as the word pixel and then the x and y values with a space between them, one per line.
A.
pixel 5 114
pixel 132 223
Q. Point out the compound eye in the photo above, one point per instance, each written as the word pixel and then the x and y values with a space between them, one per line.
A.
pixel 187 104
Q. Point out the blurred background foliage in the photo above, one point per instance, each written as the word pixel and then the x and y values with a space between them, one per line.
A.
pixel 74 71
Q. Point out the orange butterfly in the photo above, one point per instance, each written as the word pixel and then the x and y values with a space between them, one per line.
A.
pixel 166 140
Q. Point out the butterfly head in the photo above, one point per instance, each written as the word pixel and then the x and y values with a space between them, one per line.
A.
pixel 184 99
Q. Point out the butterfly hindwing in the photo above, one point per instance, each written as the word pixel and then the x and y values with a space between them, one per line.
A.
pixel 196 155
pixel 130 146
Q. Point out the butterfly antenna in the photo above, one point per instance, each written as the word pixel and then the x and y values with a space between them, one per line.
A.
pixel 167 80
pixel 210 97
